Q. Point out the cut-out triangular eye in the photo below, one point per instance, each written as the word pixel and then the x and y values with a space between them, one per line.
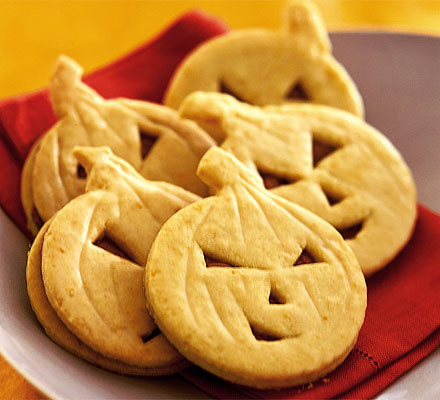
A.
pixel 223 88
pixel 149 336
pixel 263 336
pixel 147 142
pixel 104 242
pixel 305 258
pixel 272 181
pixel 297 92
pixel 321 150
pixel 331 197
pixel 275 298
pixel 213 262
pixel 81 172
pixel 351 231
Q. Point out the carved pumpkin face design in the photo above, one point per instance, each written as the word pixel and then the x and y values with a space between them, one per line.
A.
pixel 152 138
pixel 262 67
pixel 61 335
pixel 92 264
pixel 252 287
pixel 326 160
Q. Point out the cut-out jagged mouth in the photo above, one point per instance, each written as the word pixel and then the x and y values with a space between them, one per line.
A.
pixel 271 180
pixel 226 89
pixel 264 336
pixel 150 336
pixel 213 262
pixel 351 231
pixel 108 244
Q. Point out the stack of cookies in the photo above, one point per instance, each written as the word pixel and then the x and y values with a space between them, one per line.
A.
pixel 152 138
pixel 230 228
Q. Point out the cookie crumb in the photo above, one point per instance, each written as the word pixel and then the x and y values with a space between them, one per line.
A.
pixel 310 386
pixel 326 380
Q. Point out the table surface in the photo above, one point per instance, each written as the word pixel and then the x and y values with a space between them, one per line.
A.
pixel 34 32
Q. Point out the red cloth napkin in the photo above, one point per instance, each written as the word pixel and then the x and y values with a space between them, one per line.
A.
pixel 402 323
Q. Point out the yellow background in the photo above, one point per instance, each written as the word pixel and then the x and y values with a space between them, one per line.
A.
pixel 34 32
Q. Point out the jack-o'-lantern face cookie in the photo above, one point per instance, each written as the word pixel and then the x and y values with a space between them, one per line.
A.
pixel 326 160
pixel 92 264
pixel 152 138
pixel 262 67
pixel 59 333
pixel 251 287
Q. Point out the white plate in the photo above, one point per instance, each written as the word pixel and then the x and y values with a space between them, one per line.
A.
pixel 398 76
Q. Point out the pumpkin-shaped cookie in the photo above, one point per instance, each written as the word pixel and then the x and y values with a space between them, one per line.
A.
pixel 61 335
pixel 326 160
pixel 264 67
pixel 152 138
pixel 251 287
pixel 93 254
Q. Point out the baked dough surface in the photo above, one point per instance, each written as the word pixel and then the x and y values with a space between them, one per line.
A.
pixel 252 287
pixel 324 159
pixel 263 67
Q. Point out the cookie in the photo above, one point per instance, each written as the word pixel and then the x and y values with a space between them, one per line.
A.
pixel 263 67
pixel 326 160
pixel 92 265
pixel 34 222
pixel 59 333
pixel 251 287
pixel 152 138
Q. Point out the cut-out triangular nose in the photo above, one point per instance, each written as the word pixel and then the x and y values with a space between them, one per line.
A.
pixel 305 258
pixel 81 172
pixel 147 142
pixel 321 150
pixel 297 92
